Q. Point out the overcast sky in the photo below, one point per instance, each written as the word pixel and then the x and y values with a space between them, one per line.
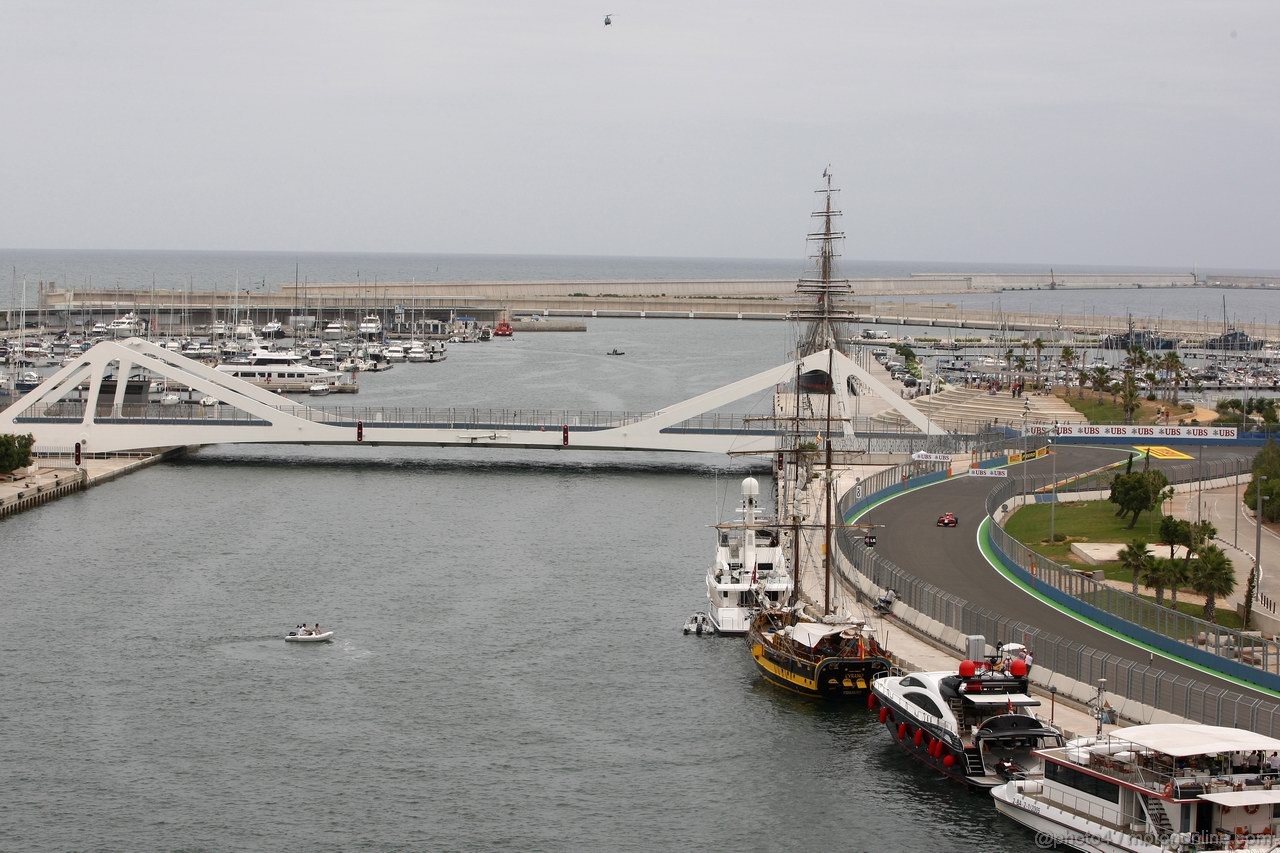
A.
pixel 1140 132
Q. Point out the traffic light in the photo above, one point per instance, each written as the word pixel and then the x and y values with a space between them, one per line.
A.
pixel 359 430
pixel 564 435
pixel 869 540
pixel 77 454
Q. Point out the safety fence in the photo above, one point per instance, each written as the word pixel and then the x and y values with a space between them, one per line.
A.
pixel 1140 682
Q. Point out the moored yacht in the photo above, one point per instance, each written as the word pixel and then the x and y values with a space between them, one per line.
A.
pixel 971 725
pixel 370 327
pixel 271 369
pixel 1159 787
pixel 128 326
pixel 750 568
pixel 273 329
pixel 416 353
pixel 336 330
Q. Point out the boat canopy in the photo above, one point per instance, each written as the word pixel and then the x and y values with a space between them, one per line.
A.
pixel 1000 699
pixel 1235 799
pixel 811 633
pixel 1183 739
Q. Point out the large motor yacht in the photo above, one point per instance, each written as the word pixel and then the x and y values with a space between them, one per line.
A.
pixel 972 725
pixel 271 369
pixel 750 569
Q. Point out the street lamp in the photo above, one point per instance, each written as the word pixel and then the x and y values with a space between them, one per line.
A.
pixel 1053 484
pixel 1257 545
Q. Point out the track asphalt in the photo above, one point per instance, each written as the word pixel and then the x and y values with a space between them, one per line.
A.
pixel 950 557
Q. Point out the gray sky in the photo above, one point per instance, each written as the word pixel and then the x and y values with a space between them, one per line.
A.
pixel 1088 131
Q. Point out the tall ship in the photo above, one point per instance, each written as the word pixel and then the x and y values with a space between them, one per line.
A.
pixel 973 725
pixel 1153 788
pixel 809 648
pixel 750 567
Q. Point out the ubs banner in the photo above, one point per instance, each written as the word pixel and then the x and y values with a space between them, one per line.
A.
pixel 1202 433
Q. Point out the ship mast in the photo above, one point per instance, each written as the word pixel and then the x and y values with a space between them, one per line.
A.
pixel 826 316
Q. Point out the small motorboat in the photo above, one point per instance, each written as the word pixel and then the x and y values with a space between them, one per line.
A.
pixel 615 352
pixel 319 389
pixel 295 637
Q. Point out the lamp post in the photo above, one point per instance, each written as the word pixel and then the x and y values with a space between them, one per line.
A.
pixel 1053 484
pixel 1257 545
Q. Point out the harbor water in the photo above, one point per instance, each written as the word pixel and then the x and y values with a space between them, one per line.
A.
pixel 509 671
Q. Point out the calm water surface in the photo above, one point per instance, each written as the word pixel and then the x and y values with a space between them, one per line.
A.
pixel 509 672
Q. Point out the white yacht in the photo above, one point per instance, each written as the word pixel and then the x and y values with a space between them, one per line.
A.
pixel 437 351
pixel 336 330
pixel 395 353
pixel 273 329
pixel 750 568
pixel 128 326
pixel 1159 787
pixel 245 330
pixel 370 327
pixel 416 353
pixel 271 369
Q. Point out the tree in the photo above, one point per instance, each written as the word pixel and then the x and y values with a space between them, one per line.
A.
pixel 15 451
pixel 1156 575
pixel 1038 345
pixel 1101 378
pixel 1173 369
pixel 1130 397
pixel 1067 358
pixel 1135 558
pixel 1266 464
pixel 1136 493
pixel 1174 532
pixel 1214 577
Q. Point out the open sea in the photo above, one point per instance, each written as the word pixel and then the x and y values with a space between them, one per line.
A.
pixel 509 671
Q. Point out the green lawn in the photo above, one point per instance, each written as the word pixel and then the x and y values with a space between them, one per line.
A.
pixel 1107 411
pixel 1083 521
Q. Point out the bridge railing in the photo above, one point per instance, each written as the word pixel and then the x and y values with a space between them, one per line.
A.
pixel 1142 682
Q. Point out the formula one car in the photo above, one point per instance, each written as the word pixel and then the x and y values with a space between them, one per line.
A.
pixel 947 519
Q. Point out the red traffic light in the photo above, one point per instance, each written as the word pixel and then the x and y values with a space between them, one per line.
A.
pixel 77 454
pixel 564 435
pixel 359 430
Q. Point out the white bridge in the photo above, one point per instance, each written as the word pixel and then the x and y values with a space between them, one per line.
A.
pixel 83 403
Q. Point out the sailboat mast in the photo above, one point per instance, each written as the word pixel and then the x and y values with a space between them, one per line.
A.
pixel 827 500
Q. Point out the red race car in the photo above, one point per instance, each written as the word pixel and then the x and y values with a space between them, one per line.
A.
pixel 947 519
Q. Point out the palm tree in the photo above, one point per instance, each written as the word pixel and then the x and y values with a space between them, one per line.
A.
pixel 1100 378
pixel 1038 345
pixel 1155 575
pixel 1134 557
pixel 1173 369
pixel 1213 576
pixel 1067 358
pixel 1082 381
pixel 1176 573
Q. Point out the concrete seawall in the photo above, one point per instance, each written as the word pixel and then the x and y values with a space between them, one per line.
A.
pixel 55 477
